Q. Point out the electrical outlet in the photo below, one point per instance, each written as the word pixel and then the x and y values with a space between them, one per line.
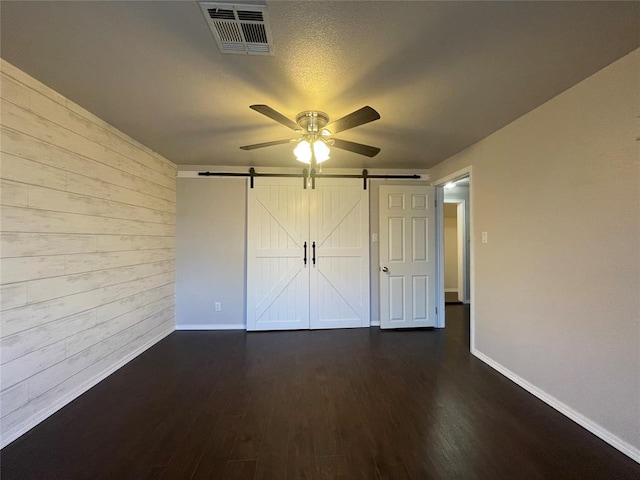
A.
pixel 218 307
pixel 485 237
pixel 374 237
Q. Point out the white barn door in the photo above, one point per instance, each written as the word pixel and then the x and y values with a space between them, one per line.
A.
pixel 330 289
pixel 407 256
pixel 277 277
pixel 339 229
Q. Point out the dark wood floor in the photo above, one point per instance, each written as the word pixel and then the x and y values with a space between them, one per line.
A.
pixel 348 404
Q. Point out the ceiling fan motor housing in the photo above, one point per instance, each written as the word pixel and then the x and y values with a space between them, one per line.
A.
pixel 312 121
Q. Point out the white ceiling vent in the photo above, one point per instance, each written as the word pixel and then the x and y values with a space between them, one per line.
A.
pixel 239 28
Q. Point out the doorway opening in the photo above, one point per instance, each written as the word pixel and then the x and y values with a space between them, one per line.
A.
pixel 456 241
pixel 455 253
pixel 453 261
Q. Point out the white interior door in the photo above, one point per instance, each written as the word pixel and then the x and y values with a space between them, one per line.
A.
pixel 339 270
pixel 277 277
pixel 407 256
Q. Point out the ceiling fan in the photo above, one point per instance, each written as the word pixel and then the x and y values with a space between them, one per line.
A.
pixel 316 133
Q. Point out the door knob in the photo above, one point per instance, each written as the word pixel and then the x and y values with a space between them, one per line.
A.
pixel 385 269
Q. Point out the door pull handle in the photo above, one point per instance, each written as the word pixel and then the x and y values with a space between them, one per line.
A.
pixel 313 246
pixel 305 253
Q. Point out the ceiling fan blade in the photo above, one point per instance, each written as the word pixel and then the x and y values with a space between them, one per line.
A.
pixel 354 147
pixel 354 119
pixel 265 144
pixel 277 116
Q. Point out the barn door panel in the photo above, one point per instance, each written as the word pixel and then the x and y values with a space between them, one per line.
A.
pixel 277 277
pixel 340 275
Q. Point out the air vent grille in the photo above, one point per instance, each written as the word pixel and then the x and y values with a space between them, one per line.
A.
pixel 250 16
pixel 221 13
pixel 228 32
pixel 239 29
pixel 254 33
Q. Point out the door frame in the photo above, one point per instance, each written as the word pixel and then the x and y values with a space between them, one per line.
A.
pixel 439 184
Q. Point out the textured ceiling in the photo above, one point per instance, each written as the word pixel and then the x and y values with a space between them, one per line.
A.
pixel 443 75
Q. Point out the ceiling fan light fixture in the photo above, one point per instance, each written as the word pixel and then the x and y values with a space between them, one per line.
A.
pixel 303 151
pixel 321 150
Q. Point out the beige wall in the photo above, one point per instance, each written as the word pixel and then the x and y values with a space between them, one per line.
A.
pixel 450 247
pixel 557 288
pixel 87 267
pixel 211 238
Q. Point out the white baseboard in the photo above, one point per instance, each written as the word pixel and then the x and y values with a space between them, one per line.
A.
pixel 75 393
pixel 591 426
pixel 451 290
pixel 228 326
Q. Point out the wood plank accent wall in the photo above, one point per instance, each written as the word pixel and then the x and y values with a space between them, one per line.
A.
pixel 87 250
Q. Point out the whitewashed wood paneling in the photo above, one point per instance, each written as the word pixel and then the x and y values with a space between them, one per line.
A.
pixel 87 262
pixel 87 247
pixel 25 80
pixel 24 367
pixel 50 288
pixel 17 219
pixel 32 315
pixel 14 397
pixel 33 173
pixel 26 268
pixel 97 188
pixel 108 311
pixel 12 193
pixel 33 244
pixel 132 242
pixel 30 148
pixel 17 92
pixel 46 199
pixel 35 150
pixel 15 346
pixel 101 331
pixel 13 295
